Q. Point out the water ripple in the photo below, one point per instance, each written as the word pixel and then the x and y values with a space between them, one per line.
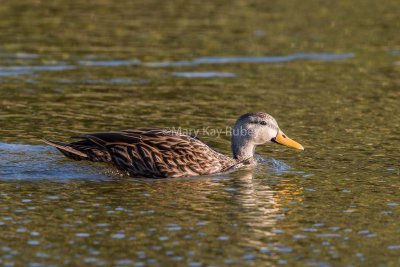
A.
pixel 273 164
pixel 251 59
pixel 212 60
pixel 204 74
pixel 29 70
pixel 272 59
pixel 102 81
pixel 19 161
pixel 19 55
pixel 109 63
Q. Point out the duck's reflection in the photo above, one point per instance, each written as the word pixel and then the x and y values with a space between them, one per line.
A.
pixel 245 206
pixel 260 207
pixel 263 197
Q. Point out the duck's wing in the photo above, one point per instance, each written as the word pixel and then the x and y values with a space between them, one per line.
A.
pixel 153 152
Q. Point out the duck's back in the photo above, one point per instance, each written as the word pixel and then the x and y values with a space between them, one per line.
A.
pixel 149 152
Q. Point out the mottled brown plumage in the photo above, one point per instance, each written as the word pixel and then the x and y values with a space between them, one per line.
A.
pixel 160 153
pixel 148 152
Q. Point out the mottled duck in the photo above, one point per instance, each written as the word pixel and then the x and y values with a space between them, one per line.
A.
pixel 162 153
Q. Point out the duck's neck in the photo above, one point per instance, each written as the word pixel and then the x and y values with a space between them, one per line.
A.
pixel 242 148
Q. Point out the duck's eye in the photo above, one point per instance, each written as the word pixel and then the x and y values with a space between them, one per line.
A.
pixel 263 123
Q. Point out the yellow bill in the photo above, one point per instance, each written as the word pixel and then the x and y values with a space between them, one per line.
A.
pixel 282 139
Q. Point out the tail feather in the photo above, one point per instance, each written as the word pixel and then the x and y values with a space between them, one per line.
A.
pixel 67 150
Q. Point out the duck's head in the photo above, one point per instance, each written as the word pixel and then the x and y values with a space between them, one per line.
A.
pixel 254 129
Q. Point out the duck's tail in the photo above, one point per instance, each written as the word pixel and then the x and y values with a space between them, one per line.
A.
pixel 67 150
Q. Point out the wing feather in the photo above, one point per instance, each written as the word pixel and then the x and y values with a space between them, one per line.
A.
pixel 152 152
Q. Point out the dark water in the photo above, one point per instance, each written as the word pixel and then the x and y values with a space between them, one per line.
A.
pixel 328 71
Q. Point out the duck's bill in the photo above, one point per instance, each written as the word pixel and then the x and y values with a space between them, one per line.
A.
pixel 282 139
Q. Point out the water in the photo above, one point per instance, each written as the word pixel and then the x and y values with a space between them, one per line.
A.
pixel 328 72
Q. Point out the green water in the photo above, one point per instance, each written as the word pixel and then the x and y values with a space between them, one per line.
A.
pixel 328 71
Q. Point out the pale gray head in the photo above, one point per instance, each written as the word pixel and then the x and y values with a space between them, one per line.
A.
pixel 254 129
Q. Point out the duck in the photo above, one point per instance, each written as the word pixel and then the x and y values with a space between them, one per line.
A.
pixel 165 153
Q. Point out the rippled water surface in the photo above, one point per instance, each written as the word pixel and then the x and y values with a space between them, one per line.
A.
pixel 328 71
